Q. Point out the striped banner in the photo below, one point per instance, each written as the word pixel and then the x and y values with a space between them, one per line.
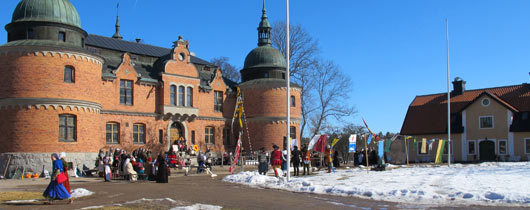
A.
pixel 439 151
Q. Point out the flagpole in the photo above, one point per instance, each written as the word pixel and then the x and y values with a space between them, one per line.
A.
pixel 448 97
pixel 288 91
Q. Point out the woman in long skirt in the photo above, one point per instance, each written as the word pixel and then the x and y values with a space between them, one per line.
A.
pixel 66 183
pixel 55 190
pixel 162 173
pixel 108 172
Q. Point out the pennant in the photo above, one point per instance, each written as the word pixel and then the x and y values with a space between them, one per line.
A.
pixel 424 145
pixel 387 146
pixel 369 139
pixel 353 143
pixel 415 145
pixel 439 152
pixel 370 131
pixel 320 146
pixel 334 142
pixel 313 142
pixel 381 149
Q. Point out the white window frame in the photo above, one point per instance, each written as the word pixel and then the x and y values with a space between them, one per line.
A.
pixel 492 122
pixel 499 147
pixel 474 145
pixel 525 145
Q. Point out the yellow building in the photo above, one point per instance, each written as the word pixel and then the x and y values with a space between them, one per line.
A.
pixel 486 124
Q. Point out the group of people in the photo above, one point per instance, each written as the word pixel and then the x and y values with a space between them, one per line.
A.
pixel 278 161
pixel 130 166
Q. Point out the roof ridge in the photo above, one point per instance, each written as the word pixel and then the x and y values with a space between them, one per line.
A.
pixel 480 89
pixel 132 42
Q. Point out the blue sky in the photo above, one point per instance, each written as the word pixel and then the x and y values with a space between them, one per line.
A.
pixel 392 50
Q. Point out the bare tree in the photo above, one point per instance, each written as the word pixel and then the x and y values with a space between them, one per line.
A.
pixel 332 88
pixel 303 53
pixel 229 70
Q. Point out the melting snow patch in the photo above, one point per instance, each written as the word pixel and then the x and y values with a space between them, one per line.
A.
pixel 198 207
pixel 81 192
pixel 491 184
pixel 22 201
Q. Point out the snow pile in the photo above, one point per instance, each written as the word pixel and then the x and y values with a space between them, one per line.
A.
pixel 198 207
pixel 80 192
pixel 22 201
pixel 498 184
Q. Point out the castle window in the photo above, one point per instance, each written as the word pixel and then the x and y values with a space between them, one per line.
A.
pixel 192 137
pixel 226 136
pixel 293 101
pixel 67 128
pixel 139 133
pixel 173 95
pixel 113 133
pixel 189 97
pixel 31 34
pixel 160 136
pixel 126 92
pixel 181 95
pixel 218 101
pixel 209 135
pixel 62 36
pixel 292 132
pixel 69 74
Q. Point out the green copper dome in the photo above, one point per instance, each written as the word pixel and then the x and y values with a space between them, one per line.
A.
pixel 265 56
pixel 59 11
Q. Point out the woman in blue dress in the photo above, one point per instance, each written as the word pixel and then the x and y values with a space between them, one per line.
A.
pixel 54 190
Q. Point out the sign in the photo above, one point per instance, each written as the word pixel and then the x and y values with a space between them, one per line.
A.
pixel 353 143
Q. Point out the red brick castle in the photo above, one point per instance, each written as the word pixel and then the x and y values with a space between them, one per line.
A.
pixel 64 90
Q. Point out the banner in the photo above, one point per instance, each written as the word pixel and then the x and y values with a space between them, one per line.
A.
pixel 381 148
pixel 313 141
pixel 424 145
pixel 320 146
pixel 387 145
pixel 236 155
pixel 353 143
pixel 238 111
pixel 334 142
pixel 415 144
pixel 293 143
pixel 373 134
pixel 369 139
pixel 439 151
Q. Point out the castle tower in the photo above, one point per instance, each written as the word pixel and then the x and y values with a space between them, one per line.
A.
pixel 50 86
pixel 264 88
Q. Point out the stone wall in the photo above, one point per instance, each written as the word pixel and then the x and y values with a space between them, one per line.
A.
pixel 33 162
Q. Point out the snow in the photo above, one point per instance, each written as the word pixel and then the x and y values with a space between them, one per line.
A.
pixel 80 192
pixel 198 207
pixel 488 184
pixel 22 201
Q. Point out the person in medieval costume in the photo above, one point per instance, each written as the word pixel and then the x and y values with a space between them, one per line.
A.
pixel 107 161
pixel 307 160
pixel 129 170
pixel 162 172
pixel 295 159
pixel 263 159
pixel 99 163
pixel 56 190
pixel 276 159
pixel 66 184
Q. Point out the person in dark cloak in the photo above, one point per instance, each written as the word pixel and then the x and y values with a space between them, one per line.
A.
pixel 296 160
pixel 336 162
pixel 162 173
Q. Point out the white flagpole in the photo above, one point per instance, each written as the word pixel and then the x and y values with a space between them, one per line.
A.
pixel 287 77
pixel 448 97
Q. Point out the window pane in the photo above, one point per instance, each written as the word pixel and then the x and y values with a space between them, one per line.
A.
pixel 122 83
pixel 67 74
pixel 115 138
pixel 115 128
pixel 142 128
pixel 129 83
pixel 189 101
pixel 70 133
pixel 135 128
pixel 108 137
pixel 62 132
pixel 62 120
pixel 109 128
pixel 142 138
pixel 71 121
pixel 135 139
pixel 129 100
pixel 502 147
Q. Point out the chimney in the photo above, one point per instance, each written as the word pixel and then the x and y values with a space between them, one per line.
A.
pixel 459 86
pixel 138 40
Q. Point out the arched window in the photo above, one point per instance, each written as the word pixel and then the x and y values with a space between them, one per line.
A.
pixel 181 95
pixel 67 127
pixel 173 95
pixel 139 133
pixel 189 97
pixel 113 133
pixel 293 101
pixel 69 74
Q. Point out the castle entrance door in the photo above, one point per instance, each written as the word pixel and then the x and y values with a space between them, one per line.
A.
pixel 176 131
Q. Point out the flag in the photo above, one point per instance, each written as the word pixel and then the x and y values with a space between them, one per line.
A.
pixel 238 111
pixel 313 142
pixel 293 143
pixel 334 142
pixel 381 149
pixel 320 146
pixel 439 152
pixel 236 155
pixel 415 145
pixel 387 146
pixel 353 143
pixel 370 131
pixel 369 139
pixel 424 145
pixel 431 142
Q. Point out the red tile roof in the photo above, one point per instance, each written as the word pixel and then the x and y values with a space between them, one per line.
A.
pixel 428 114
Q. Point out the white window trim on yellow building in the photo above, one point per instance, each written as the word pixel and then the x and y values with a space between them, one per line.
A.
pixel 526 142
pixel 492 122
pixel 499 147
pixel 474 145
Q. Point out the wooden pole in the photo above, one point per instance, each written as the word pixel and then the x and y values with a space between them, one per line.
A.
pixel 7 166
pixel 407 150
pixel 366 154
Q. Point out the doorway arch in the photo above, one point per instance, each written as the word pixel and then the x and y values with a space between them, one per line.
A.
pixel 487 150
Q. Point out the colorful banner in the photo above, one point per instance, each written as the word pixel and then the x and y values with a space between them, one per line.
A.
pixel 439 152
pixel 313 141
pixel 387 145
pixel 381 148
pixel 369 139
pixel 238 111
pixel 236 155
pixel 334 142
pixel 320 146
pixel 424 145
pixel 373 134
pixel 353 143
